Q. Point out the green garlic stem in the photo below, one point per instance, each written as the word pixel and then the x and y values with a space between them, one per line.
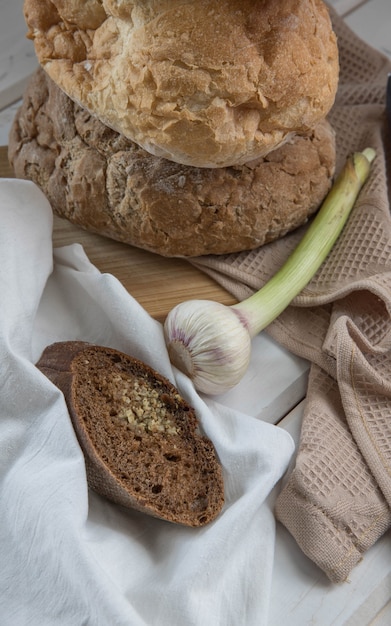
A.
pixel 260 309
pixel 211 342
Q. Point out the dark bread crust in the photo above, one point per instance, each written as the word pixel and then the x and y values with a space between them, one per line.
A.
pixel 173 475
pixel 105 183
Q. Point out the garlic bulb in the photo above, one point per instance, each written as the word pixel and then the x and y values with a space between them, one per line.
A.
pixel 211 342
pixel 208 341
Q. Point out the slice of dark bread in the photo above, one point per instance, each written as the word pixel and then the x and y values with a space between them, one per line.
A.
pixel 140 438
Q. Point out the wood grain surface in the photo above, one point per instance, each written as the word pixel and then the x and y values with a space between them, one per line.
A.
pixel 158 283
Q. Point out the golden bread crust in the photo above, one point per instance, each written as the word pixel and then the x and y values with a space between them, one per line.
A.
pixel 206 83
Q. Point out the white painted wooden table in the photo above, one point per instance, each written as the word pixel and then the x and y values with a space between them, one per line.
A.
pixel 301 594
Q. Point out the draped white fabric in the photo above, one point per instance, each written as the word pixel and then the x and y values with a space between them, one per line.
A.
pixel 69 557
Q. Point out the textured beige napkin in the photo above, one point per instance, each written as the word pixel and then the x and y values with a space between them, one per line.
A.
pixel 337 501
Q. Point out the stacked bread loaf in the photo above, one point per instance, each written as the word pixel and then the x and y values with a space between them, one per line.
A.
pixel 181 127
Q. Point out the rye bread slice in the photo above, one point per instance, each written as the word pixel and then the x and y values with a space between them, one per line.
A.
pixel 140 438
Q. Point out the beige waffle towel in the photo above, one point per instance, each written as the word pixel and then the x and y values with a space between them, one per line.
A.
pixel 337 502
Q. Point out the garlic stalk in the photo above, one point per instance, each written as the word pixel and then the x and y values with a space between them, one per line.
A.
pixel 211 342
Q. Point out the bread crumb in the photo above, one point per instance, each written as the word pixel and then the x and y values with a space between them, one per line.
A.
pixel 137 403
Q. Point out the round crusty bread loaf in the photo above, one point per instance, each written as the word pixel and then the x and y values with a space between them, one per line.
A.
pixel 206 83
pixel 107 184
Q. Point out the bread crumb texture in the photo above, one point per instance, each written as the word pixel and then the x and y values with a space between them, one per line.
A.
pixel 141 440
pixel 100 180
pixel 133 400
pixel 206 83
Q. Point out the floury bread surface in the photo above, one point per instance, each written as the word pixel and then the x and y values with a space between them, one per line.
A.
pixel 209 83
pixel 139 437
pixel 107 184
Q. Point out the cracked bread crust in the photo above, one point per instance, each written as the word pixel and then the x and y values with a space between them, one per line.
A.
pixel 206 83
pixel 156 462
pixel 101 181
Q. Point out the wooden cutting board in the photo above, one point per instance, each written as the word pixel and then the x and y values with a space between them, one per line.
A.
pixel 156 282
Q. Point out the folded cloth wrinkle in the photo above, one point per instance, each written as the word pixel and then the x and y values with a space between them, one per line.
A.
pixel 68 555
pixel 341 323
pixel 332 504
pixel 15 285
pixel 365 386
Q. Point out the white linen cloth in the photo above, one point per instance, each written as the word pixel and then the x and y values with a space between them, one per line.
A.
pixel 68 556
